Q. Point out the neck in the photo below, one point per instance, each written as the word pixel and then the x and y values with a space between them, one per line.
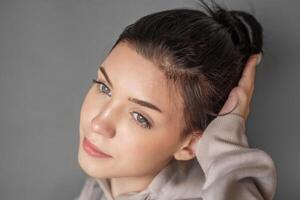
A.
pixel 124 185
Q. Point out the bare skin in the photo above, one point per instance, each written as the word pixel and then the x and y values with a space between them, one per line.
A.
pixel 118 126
pixel 240 96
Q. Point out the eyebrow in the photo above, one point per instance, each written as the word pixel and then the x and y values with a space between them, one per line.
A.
pixel 134 100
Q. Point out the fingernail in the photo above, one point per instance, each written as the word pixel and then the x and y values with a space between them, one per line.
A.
pixel 258 58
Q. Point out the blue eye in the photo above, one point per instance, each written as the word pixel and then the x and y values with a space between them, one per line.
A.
pixel 102 87
pixel 141 120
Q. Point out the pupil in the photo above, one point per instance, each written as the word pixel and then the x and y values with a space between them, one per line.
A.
pixel 141 119
pixel 104 88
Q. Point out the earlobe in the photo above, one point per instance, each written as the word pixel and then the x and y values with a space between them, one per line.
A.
pixel 187 151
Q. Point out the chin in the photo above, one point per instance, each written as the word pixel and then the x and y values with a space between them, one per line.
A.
pixel 87 166
pixel 91 167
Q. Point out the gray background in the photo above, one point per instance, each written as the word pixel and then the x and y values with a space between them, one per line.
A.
pixel 49 52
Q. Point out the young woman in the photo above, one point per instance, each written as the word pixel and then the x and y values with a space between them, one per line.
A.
pixel 165 117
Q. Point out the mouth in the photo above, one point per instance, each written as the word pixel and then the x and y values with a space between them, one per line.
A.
pixel 92 150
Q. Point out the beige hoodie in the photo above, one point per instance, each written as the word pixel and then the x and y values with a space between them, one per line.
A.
pixel 225 168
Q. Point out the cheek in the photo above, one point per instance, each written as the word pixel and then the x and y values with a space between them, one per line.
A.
pixel 88 109
pixel 85 118
pixel 144 149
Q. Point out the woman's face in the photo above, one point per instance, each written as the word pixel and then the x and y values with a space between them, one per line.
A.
pixel 141 139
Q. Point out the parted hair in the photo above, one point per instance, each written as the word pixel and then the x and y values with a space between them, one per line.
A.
pixel 201 51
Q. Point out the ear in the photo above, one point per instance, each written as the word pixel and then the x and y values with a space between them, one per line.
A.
pixel 187 149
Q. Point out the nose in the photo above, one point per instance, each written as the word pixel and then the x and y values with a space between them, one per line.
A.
pixel 103 122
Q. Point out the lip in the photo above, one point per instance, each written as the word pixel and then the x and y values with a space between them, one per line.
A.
pixel 92 150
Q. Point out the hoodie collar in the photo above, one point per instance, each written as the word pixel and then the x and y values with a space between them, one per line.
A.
pixel 180 179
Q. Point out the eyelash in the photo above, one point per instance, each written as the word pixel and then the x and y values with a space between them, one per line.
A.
pixel 100 83
pixel 148 124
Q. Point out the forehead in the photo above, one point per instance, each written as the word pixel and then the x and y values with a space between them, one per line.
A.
pixel 140 78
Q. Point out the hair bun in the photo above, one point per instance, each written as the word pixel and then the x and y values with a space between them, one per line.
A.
pixel 245 30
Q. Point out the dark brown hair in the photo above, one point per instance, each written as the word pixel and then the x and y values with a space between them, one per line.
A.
pixel 202 52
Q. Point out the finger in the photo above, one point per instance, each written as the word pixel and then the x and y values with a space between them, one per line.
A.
pixel 231 103
pixel 248 76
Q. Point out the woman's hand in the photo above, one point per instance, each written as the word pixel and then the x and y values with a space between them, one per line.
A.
pixel 240 96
